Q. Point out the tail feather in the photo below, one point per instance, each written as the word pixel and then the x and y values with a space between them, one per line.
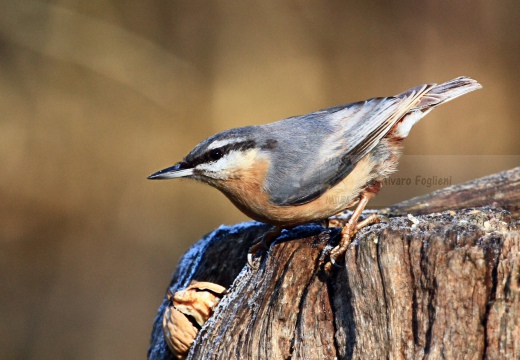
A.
pixel 447 91
pixel 436 95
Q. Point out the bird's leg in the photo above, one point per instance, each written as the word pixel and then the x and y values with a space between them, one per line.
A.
pixel 263 241
pixel 351 228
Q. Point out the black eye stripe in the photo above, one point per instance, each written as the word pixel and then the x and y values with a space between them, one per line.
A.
pixel 217 153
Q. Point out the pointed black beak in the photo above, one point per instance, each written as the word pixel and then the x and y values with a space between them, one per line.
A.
pixel 176 171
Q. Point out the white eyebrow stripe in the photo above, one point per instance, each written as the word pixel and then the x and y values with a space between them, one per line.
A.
pixel 220 143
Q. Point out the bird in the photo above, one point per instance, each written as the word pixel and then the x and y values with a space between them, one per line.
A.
pixel 309 168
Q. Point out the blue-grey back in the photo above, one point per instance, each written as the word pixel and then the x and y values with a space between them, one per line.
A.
pixel 318 150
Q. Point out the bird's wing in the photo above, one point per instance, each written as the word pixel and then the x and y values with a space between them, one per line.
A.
pixel 330 144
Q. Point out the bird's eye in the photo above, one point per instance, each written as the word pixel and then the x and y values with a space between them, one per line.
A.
pixel 216 154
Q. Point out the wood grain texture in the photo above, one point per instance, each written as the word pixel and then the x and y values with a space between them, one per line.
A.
pixel 441 286
pixel 501 190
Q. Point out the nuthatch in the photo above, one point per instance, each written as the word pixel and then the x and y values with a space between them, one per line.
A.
pixel 308 168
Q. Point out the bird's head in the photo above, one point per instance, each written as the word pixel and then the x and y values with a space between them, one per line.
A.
pixel 225 156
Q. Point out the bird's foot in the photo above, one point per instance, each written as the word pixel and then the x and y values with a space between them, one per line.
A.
pixel 263 242
pixel 347 233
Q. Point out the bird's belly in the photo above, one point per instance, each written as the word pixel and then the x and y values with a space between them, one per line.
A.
pixel 333 201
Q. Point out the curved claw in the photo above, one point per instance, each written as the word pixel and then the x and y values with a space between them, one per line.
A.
pixel 332 263
pixel 384 219
pixel 250 261
pixel 335 263
pixel 338 252
pixel 262 242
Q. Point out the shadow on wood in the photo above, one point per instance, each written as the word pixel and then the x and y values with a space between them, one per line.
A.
pixel 444 285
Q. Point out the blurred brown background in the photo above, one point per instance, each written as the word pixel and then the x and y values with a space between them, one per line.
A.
pixel 96 95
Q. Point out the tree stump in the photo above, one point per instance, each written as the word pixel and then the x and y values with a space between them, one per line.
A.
pixel 442 285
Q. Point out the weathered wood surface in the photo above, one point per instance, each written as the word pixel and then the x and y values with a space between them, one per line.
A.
pixel 444 285
pixel 449 287
pixel 501 190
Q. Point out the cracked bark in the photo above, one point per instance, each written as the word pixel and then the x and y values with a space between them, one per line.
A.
pixel 445 287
